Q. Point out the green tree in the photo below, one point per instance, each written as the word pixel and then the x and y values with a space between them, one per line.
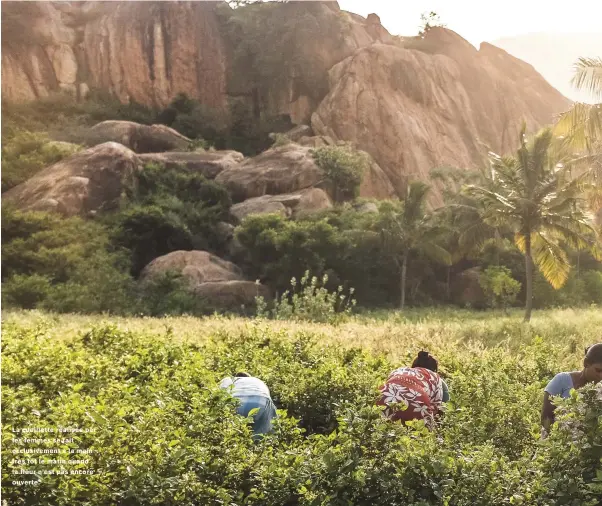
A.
pixel 277 249
pixel 344 169
pixel 406 227
pixel 534 195
pixel 499 286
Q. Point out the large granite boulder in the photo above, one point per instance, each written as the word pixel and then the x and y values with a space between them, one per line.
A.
pixel 137 137
pixel 86 182
pixel 207 163
pixel 195 266
pixel 436 102
pixel 289 204
pixel 291 168
pixel 283 169
pixel 218 282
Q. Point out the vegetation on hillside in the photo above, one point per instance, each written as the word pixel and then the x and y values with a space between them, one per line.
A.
pixel 518 212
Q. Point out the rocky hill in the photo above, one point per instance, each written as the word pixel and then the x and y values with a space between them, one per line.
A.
pixel 413 104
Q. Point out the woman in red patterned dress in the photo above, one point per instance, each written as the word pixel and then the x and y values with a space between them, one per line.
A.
pixel 414 393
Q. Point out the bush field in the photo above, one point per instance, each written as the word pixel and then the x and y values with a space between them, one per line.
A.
pixel 165 434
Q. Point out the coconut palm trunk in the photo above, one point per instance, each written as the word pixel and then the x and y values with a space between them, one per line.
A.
pixel 529 278
pixel 404 266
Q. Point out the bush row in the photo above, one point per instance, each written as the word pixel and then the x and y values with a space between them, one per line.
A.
pixel 165 434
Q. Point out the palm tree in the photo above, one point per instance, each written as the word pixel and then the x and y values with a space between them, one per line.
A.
pixel 468 233
pixel 405 227
pixel 582 124
pixel 534 195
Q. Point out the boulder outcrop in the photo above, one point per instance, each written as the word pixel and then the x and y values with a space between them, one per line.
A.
pixel 279 170
pixel 209 277
pixel 88 181
pixel 289 204
pixel 436 102
pixel 195 266
pixel 207 163
pixel 139 138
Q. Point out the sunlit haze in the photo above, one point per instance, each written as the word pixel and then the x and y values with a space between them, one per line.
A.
pixel 478 21
pixel 548 35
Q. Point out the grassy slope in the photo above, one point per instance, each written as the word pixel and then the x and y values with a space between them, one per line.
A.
pixel 393 333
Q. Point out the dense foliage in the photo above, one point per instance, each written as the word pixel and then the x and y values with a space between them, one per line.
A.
pixel 25 153
pixel 343 168
pixel 61 264
pixel 168 210
pixel 165 434
pixel 77 265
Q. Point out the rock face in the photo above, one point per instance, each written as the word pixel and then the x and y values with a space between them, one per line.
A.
pixel 290 204
pixel 413 104
pixel 151 52
pixel 284 169
pixel 437 102
pixel 288 169
pixel 218 281
pixel 208 163
pixel 137 137
pixel 147 53
pixel 195 266
pixel 88 181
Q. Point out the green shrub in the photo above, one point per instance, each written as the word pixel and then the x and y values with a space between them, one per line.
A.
pixel 25 153
pixel 311 301
pixel 581 289
pixel 149 232
pixel 276 249
pixel 168 210
pixel 25 291
pixel 500 288
pixel 168 294
pixel 61 264
pixel 163 432
pixel 155 182
pixel 344 168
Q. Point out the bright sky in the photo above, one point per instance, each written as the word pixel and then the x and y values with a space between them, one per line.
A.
pixel 479 20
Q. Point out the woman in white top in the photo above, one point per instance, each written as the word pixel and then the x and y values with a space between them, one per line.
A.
pixel 562 384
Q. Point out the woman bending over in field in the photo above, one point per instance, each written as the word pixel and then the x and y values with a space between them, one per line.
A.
pixel 414 393
pixel 562 384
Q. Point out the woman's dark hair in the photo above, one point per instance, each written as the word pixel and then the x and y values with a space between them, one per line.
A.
pixel 242 375
pixel 593 355
pixel 426 360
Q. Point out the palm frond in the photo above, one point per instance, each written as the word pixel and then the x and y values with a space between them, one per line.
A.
pixel 436 253
pixel 588 76
pixel 582 125
pixel 414 201
pixel 550 259
pixel 475 235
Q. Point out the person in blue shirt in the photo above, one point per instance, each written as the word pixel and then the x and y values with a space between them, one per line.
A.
pixel 562 384
pixel 252 393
